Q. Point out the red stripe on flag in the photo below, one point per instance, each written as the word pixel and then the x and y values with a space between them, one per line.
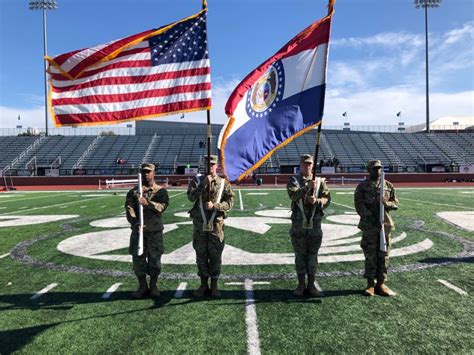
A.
pixel 98 99
pixel 123 80
pixel 60 59
pixel 124 64
pixel 58 76
pixel 109 117
pixel 104 52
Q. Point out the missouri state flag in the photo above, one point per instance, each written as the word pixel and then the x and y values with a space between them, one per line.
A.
pixel 280 100
pixel 157 72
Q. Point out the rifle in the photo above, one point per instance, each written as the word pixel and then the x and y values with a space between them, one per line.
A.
pixel 383 242
pixel 140 212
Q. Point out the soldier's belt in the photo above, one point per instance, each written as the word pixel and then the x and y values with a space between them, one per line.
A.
pixel 208 227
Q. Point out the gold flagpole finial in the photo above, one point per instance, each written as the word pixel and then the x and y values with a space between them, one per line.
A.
pixel 204 4
pixel 330 6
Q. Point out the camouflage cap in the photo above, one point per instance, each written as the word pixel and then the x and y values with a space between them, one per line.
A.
pixel 148 167
pixel 373 164
pixel 306 158
pixel 213 159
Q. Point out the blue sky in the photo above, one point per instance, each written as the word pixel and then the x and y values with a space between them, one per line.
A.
pixel 376 60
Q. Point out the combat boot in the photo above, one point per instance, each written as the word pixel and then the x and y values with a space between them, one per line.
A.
pixel 154 292
pixel 142 290
pixel 312 290
pixel 299 290
pixel 214 289
pixel 382 290
pixel 369 290
pixel 203 289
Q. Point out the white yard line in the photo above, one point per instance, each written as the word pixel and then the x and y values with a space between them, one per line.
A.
pixel 433 203
pixel 43 291
pixel 340 204
pixel 111 290
pixel 182 192
pixel 180 290
pixel 34 198
pixel 253 283
pixel 241 202
pixel 59 204
pixel 452 287
pixel 4 255
pixel 253 340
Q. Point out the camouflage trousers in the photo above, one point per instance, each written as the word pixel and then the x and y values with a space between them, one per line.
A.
pixel 150 261
pixel 209 247
pixel 306 244
pixel 376 261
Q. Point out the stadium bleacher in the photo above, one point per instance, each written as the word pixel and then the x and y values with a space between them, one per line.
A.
pixel 174 146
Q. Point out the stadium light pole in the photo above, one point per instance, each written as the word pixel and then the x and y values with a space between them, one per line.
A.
pixel 44 5
pixel 426 4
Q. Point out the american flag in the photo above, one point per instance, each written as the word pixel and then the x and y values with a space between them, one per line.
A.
pixel 157 72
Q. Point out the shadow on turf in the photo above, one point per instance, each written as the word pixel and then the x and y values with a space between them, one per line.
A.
pixel 467 259
pixel 16 339
pixel 265 296
pixel 67 300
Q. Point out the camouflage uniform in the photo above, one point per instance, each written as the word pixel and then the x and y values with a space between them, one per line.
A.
pixel 366 200
pixel 150 261
pixel 209 244
pixel 306 242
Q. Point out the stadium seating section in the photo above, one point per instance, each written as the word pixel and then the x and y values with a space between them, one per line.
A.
pixel 173 149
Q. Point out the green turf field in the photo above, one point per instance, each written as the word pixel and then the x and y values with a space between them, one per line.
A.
pixel 83 252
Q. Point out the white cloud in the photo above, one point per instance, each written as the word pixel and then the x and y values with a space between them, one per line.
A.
pixel 395 58
pixel 460 34
pixel 29 117
pixel 379 107
pixel 384 39
pixel 220 93
pixel 34 117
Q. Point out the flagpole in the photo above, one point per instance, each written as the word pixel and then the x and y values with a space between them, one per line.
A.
pixel 204 6
pixel 318 137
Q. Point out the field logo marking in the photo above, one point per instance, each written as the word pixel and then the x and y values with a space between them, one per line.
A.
pixel 338 240
pixel 15 221
pixel 463 219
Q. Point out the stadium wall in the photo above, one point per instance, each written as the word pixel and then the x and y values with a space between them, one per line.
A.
pixel 92 182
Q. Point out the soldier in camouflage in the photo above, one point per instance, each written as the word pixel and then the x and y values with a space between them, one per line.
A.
pixel 308 200
pixel 154 201
pixel 367 203
pixel 213 198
